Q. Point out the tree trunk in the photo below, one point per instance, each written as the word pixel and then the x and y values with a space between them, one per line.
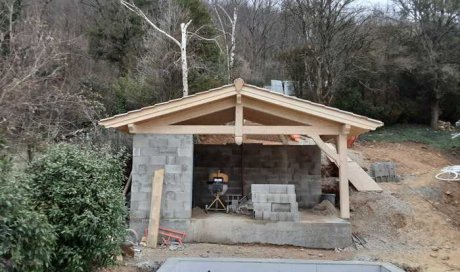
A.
pixel 10 19
pixel 435 112
pixel 233 39
pixel 183 57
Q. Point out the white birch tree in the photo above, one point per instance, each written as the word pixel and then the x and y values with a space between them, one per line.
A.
pixel 230 44
pixel 182 44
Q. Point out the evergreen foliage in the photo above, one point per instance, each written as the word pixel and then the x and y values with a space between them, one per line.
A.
pixel 27 239
pixel 78 189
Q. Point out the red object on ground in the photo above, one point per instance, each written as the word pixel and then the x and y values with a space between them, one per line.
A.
pixel 169 234
pixel 351 140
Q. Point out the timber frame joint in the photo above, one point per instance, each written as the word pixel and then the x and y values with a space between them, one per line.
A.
pixel 346 129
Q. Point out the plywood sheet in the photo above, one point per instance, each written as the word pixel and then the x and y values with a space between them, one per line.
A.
pixel 155 205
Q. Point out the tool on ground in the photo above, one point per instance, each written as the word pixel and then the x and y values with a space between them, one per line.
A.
pixel 217 185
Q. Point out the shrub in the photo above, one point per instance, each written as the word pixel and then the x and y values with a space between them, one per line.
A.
pixel 26 237
pixel 79 189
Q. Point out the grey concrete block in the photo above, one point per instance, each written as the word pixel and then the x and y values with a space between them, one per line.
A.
pixel 174 142
pixel 278 198
pixel 185 151
pixel 157 159
pixel 135 187
pixel 139 196
pixel 263 207
pixel 173 168
pixel 278 188
pixel 145 188
pixel 287 198
pixel 258 215
pixel 260 188
pixel 281 207
pixel 168 150
pixel 170 159
pixel 158 141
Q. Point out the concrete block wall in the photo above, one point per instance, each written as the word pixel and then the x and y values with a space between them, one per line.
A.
pixel 174 153
pixel 260 164
pixel 275 202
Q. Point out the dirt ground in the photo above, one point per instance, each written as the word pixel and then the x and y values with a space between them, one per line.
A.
pixel 414 223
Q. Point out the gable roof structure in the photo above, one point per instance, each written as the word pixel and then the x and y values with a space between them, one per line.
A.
pixel 222 111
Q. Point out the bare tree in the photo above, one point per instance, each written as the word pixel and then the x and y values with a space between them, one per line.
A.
pixel 229 43
pixel 332 38
pixel 7 13
pixel 35 104
pixel 434 28
pixel 257 28
pixel 182 44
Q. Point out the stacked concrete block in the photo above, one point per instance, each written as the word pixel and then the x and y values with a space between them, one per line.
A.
pixel 174 153
pixel 275 202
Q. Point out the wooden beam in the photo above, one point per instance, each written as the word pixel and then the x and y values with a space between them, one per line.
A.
pixel 309 107
pixel 183 129
pixel 238 120
pixel 191 113
pixel 264 118
pixel 228 129
pixel 345 129
pixel 155 206
pixel 216 118
pixel 343 176
pixel 286 113
pixel 332 154
pixel 287 130
pixel 171 106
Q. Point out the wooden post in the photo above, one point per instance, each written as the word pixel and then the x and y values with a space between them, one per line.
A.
pixel 155 206
pixel 238 112
pixel 343 175
pixel 238 121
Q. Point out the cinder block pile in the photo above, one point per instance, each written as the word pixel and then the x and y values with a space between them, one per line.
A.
pixel 275 202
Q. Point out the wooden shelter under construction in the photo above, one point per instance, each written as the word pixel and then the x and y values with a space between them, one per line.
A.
pixel 163 139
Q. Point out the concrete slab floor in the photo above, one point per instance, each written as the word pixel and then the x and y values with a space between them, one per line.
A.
pixel 311 231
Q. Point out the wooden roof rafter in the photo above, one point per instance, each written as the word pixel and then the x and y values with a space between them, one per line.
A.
pixel 209 112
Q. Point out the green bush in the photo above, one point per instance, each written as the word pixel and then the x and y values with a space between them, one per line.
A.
pixel 79 189
pixel 26 237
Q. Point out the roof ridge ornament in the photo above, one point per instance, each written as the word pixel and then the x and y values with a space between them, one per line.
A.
pixel 239 82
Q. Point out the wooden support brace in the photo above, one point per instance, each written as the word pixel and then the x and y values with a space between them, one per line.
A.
pixel 322 145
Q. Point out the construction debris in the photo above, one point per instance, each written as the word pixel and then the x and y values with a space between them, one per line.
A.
pixel 358 240
pixel 445 126
pixel 325 208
